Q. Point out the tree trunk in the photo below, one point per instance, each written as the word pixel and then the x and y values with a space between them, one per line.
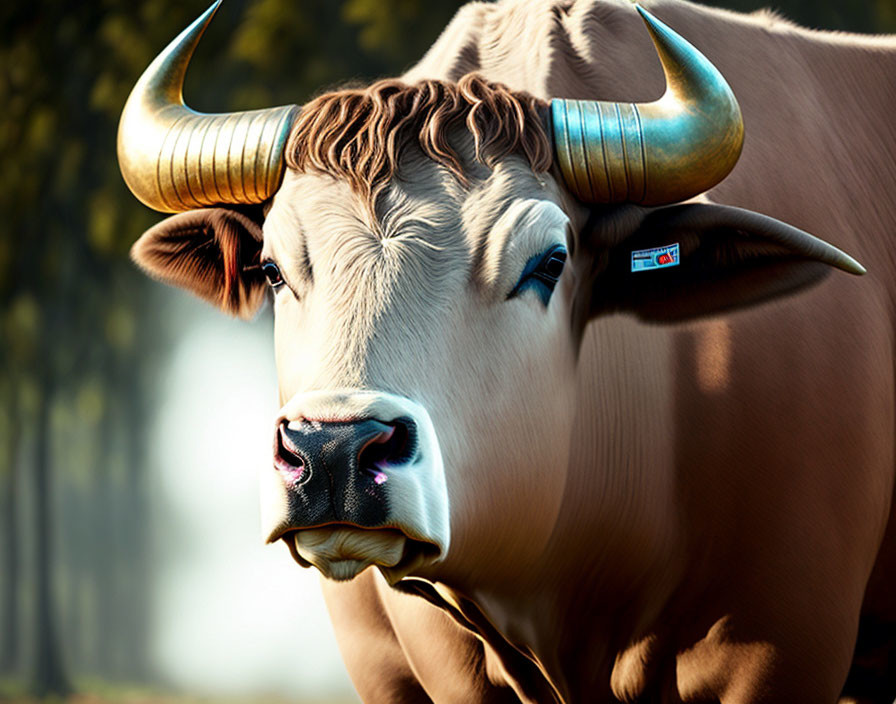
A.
pixel 9 656
pixel 104 555
pixel 50 677
pixel 135 556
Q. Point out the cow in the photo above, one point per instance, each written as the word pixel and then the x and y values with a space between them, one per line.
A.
pixel 609 423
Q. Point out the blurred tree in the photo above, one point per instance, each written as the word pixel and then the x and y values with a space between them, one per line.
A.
pixel 58 262
pixel 402 30
pixel 886 16
pixel 9 615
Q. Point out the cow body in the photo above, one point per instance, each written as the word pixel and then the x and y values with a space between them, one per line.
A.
pixel 744 466
pixel 564 503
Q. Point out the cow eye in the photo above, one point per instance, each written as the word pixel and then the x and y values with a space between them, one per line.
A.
pixel 542 273
pixel 551 266
pixel 272 273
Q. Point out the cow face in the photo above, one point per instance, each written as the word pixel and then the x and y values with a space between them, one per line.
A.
pixel 444 319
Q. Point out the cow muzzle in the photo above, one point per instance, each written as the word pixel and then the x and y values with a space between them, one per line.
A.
pixel 357 480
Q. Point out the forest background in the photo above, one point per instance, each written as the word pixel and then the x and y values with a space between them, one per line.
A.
pixel 87 342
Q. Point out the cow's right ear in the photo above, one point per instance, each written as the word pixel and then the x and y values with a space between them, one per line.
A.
pixel 213 252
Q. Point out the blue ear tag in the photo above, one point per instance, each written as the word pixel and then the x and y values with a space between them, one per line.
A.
pixel 656 258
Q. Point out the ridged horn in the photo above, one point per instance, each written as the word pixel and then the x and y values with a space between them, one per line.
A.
pixel 174 159
pixel 652 153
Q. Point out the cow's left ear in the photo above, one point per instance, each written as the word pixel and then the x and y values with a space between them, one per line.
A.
pixel 686 261
pixel 212 252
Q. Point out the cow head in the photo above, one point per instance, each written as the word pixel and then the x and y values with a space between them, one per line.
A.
pixel 433 253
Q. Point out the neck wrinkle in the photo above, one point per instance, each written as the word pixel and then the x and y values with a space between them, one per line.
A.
pixel 517 663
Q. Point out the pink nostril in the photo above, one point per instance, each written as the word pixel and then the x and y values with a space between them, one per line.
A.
pixel 287 444
pixel 380 439
pixel 385 449
pixel 371 457
pixel 288 458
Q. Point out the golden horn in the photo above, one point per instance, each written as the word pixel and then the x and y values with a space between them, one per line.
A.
pixel 174 159
pixel 652 153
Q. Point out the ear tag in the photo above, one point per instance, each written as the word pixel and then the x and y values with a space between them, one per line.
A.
pixel 656 258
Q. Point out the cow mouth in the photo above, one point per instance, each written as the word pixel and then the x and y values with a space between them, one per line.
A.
pixel 342 551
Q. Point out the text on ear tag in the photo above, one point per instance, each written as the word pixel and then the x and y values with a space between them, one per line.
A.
pixel 656 258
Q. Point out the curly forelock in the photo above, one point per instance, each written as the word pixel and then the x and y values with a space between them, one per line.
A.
pixel 360 135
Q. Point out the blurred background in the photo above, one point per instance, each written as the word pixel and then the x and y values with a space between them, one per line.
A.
pixel 133 418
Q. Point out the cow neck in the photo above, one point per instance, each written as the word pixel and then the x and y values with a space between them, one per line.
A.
pixel 525 673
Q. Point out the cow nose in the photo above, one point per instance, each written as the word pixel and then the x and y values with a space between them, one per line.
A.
pixel 369 446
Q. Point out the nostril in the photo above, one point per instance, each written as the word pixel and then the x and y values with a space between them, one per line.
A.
pixel 288 458
pixel 287 446
pixel 370 446
pixel 387 448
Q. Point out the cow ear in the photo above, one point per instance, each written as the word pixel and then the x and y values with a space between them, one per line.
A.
pixel 686 261
pixel 213 252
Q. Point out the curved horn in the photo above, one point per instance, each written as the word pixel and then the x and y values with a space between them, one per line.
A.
pixel 174 159
pixel 652 153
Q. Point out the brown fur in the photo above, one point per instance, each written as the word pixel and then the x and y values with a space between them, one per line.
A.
pixel 360 134
pixel 207 251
